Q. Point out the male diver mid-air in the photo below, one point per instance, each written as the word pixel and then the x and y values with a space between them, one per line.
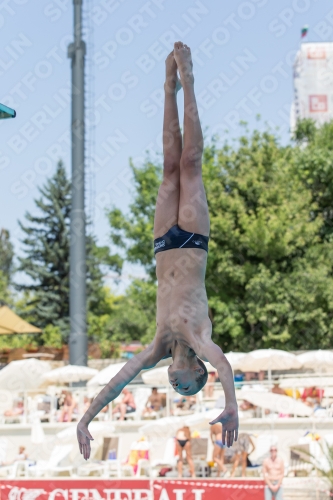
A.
pixel 181 234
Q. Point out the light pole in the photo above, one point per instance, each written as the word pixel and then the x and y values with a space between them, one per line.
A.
pixel 78 343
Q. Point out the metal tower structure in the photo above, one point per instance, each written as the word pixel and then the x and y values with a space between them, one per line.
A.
pixel 78 343
pixel 313 80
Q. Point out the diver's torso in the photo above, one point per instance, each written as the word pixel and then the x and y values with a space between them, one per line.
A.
pixel 182 305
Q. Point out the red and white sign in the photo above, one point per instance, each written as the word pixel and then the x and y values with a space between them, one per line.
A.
pixel 316 52
pixel 313 83
pixel 318 103
pixel 182 489
pixel 136 489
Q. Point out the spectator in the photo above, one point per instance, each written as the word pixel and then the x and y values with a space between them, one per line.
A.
pixel 61 399
pixel 127 404
pixel 273 469
pixel 22 455
pixel 246 406
pixel 187 403
pixel 242 445
pixel 86 403
pixel 209 387
pixel 276 389
pixel 17 410
pixel 105 409
pixel 154 402
pixel 67 409
pixel 232 456
pixel 219 448
pixel 183 442
pixel 312 396
pixel 292 392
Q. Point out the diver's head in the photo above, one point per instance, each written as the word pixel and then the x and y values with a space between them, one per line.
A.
pixel 189 378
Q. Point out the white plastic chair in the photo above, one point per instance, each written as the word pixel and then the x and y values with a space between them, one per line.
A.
pixel 3 449
pixel 106 467
pixel 144 468
pixel 52 466
pixel 17 469
pixel 6 403
pixel 263 444
pixel 141 395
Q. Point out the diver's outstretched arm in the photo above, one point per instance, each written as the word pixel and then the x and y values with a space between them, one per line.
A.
pixel 209 351
pixel 145 359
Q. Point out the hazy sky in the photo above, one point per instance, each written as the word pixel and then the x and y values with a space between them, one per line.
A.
pixel 243 54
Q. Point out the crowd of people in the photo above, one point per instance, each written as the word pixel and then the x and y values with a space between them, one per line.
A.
pixel 311 396
pixel 68 408
pixel 237 455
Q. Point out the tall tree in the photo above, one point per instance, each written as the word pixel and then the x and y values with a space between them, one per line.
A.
pixel 6 254
pixel 6 265
pixel 269 275
pixel 46 246
pixel 46 260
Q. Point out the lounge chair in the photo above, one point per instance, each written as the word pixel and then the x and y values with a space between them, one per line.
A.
pixel 53 466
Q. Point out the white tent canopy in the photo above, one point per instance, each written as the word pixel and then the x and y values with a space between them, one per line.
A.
pixel 105 375
pixel 67 374
pixel 23 375
pixel 319 360
pixel 269 359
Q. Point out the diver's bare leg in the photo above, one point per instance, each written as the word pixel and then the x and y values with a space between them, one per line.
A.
pixel 167 204
pixel 180 459
pixel 193 208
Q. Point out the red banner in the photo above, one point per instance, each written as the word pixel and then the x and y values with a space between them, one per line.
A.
pixel 131 489
pixel 198 489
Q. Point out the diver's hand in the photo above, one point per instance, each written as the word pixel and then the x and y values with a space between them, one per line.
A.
pixel 84 437
pixel 229 421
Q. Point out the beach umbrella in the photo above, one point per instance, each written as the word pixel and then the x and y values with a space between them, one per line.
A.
pixel 6 400
pixel 68 374
pixel 23 375
pixel 276 403
pixel 156 376
pixel 104 376
pixel 234 358
pixel 11 323
pixel 268 360
pixel 319 360
pixel 159 376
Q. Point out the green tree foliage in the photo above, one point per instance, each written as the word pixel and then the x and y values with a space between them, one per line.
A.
pixel 46 261
pixel 6 266
pixel 134 315
pixel 269 274
pixel 6 254
pixel 5 295
pixel 46 246
pixel 315 167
